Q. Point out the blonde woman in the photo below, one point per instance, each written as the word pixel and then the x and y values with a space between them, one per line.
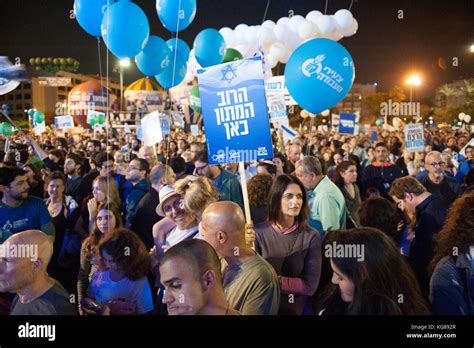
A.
pixel 104 191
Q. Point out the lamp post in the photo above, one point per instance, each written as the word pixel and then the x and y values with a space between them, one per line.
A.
pixel 123 63
pixel 413 80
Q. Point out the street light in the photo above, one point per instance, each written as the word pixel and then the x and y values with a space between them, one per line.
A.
pixel 123 63
pixel 471 48
pixel 413 80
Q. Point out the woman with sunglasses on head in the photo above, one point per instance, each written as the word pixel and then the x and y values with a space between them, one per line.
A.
pixel 290 245
pixel 106 220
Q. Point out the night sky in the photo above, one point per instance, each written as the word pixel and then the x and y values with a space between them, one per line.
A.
pixel 385 49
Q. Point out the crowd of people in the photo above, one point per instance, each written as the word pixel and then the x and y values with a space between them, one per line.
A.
pixel 341 225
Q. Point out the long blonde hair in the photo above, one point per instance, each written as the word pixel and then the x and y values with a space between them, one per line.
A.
pixel 109 188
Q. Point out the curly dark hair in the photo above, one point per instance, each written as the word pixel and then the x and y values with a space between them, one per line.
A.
pixel 128 252
pixel 458 230
pixel 380 213
pixel 259 189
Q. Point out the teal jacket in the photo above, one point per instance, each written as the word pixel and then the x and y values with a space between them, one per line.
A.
pixel 229 188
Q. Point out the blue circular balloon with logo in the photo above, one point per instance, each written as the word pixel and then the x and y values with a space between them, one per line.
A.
pixel 319 74
pixel 209 47
pixel 89 14
pixel 125 29
pixel 182 48
pixel 176 15
pixel 166 78
pixel 154 57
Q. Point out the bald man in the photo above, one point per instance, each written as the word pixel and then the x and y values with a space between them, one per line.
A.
pixel 24 258
pixel 147 153
pixel 250 283
pixel 191 275
pixel 436 180
pixel 294 155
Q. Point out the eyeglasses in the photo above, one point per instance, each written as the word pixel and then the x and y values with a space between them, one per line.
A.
pixel 434 164
pixel 200 169
pixel 133 168
pixel 178 204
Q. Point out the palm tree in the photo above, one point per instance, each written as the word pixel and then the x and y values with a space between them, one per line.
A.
pixel 448 90
pixel 469 86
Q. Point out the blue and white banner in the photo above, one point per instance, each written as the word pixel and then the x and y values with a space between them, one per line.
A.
pixel 235 111
pixel 347 123
pixel 63 122
pixel 414 137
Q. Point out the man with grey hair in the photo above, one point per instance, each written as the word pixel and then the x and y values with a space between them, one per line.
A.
pixel 160 175
pixel 436 180
pixel 23 273
pixel 327 207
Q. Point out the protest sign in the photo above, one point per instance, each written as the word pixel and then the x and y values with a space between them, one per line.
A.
pixel 235 111
pixel 414 137
pixel 63 122
pixel 347 123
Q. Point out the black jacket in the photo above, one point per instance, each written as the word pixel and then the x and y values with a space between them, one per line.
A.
pixel 380 177
pixel 430 217
pixel 146 217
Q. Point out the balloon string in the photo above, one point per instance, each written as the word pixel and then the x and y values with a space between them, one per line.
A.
pixel 266 11
pixel 172 81
pixel 350 6
pixel 326 7
pixel 107 111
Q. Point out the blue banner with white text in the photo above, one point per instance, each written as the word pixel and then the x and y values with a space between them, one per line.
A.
pixel 235 112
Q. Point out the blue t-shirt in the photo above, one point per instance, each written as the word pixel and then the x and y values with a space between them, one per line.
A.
pixel 30 215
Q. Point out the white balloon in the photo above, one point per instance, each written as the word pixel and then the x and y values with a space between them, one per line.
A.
pixel 277 50
pixel 343 18
pixel 462 115
pixel 269 24
pixel 228 35
pixel 287 56
pixel 467 118
pixel 283 20
pixel 265 36
pixel 293 42
pixel 306 30
pixel 313 15
pixel 282 32
pixel 325 113
pixel 335 35
pixel 295 22
pixel 251 34
pixel 352 29
pixel 243 48
pixel 240 31
pixel 325 24
pixel 272 61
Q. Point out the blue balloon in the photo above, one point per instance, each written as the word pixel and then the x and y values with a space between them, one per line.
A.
pixel 154 57
pixel 209 47
pixel 319 74
pixel 89 14
pixel 166 79
pixel 182 48
pixel 125 29
pixel 174 17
